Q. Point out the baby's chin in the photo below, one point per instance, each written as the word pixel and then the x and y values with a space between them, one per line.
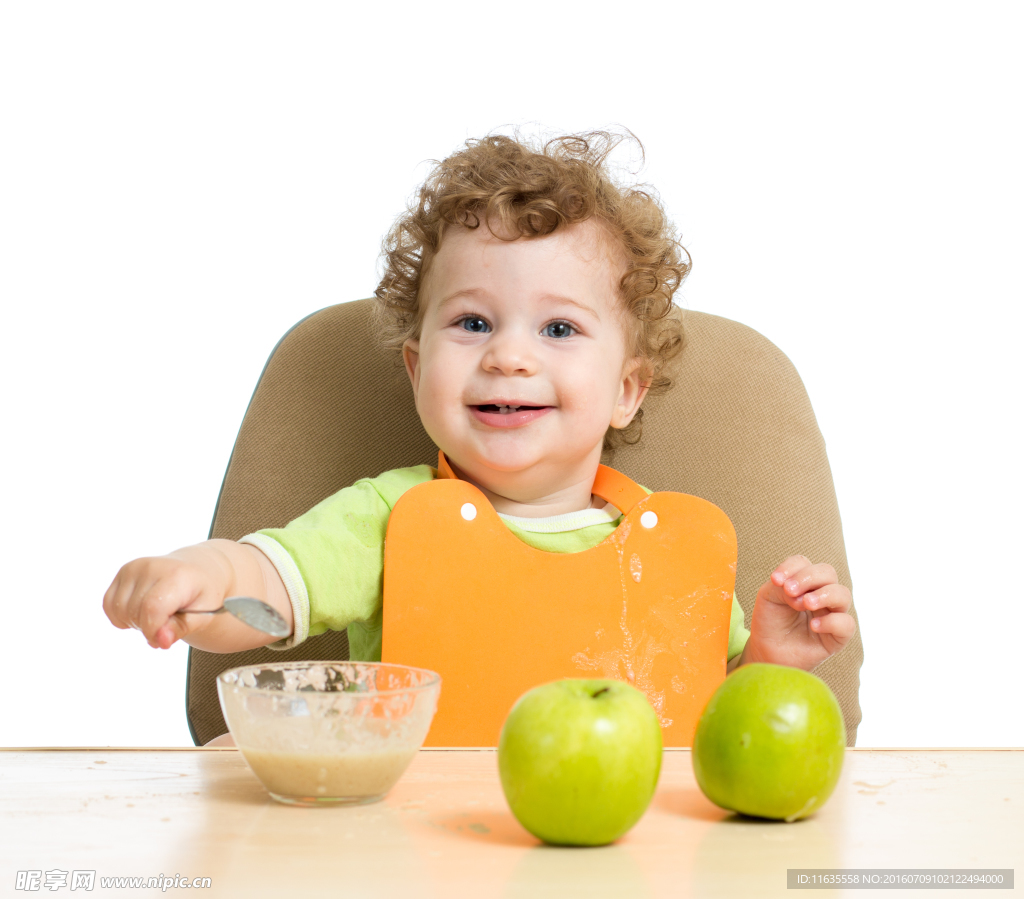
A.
pixel 501 466
pixel 506 451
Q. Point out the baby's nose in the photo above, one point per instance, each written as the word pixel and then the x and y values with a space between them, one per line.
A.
pixel 510 354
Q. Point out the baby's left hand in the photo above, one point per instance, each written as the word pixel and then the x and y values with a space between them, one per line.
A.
pixel 800 616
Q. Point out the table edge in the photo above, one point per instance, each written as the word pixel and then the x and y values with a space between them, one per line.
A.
pixel 477 749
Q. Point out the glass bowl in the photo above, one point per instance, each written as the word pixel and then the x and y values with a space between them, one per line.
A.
pixel 318 733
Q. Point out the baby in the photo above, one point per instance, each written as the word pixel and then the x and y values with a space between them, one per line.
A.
pixel 531 298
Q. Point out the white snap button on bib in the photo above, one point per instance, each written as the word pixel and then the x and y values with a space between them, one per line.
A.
pixel 468 511
pixel 649 519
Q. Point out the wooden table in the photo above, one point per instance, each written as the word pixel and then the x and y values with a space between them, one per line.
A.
pixel 445 829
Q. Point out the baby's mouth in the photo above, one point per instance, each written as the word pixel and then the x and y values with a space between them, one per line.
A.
pixel 506 410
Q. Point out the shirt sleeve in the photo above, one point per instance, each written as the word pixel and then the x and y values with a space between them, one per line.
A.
pixel 738 634
pixel 331 559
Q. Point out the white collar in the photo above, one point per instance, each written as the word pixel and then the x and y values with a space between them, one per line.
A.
pixel 567 521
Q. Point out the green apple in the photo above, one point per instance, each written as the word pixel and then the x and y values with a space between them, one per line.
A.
pixel 579 760
pixel 770 742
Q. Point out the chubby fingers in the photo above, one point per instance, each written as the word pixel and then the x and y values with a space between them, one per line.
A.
pixel 145 595
pixel 832 598
pixel 119 601
pixel 838 625
pixel 807 587
pixel 156 612
pixel 114 601
pixel 170 633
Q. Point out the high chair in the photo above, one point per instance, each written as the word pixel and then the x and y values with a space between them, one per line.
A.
pixel 737 430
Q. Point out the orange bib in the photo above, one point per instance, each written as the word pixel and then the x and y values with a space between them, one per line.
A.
pixel 465 597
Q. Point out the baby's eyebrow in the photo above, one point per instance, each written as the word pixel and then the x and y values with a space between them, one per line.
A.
pixel 558 298
pixel 468 292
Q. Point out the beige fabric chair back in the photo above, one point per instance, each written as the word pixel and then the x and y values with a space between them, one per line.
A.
pixel 737 429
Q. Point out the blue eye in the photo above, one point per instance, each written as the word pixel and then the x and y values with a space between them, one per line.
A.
pixel 559 330
pixel 475 324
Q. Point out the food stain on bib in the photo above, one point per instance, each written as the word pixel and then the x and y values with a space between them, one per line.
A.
pixel 633 660
pixel 635 567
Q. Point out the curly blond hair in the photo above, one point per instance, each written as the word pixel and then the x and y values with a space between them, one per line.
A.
pixel 533 191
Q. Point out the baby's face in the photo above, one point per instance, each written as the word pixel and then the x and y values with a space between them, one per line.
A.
pixel 529 323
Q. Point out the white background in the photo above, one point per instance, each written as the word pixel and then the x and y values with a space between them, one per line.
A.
pixel 180 183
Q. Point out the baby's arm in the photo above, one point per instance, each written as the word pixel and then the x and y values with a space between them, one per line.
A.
pixel 148 593
pixel 800 616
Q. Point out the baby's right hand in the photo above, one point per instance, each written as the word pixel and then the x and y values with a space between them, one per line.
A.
pixel 148 592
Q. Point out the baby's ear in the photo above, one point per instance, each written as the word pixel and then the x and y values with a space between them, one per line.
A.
pixel 635 384
pixel 411 357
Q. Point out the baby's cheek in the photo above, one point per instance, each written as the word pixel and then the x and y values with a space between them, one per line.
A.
pixel 585 394
pixel 435 394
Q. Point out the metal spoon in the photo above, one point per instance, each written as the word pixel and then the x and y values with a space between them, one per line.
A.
pixel 253 612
